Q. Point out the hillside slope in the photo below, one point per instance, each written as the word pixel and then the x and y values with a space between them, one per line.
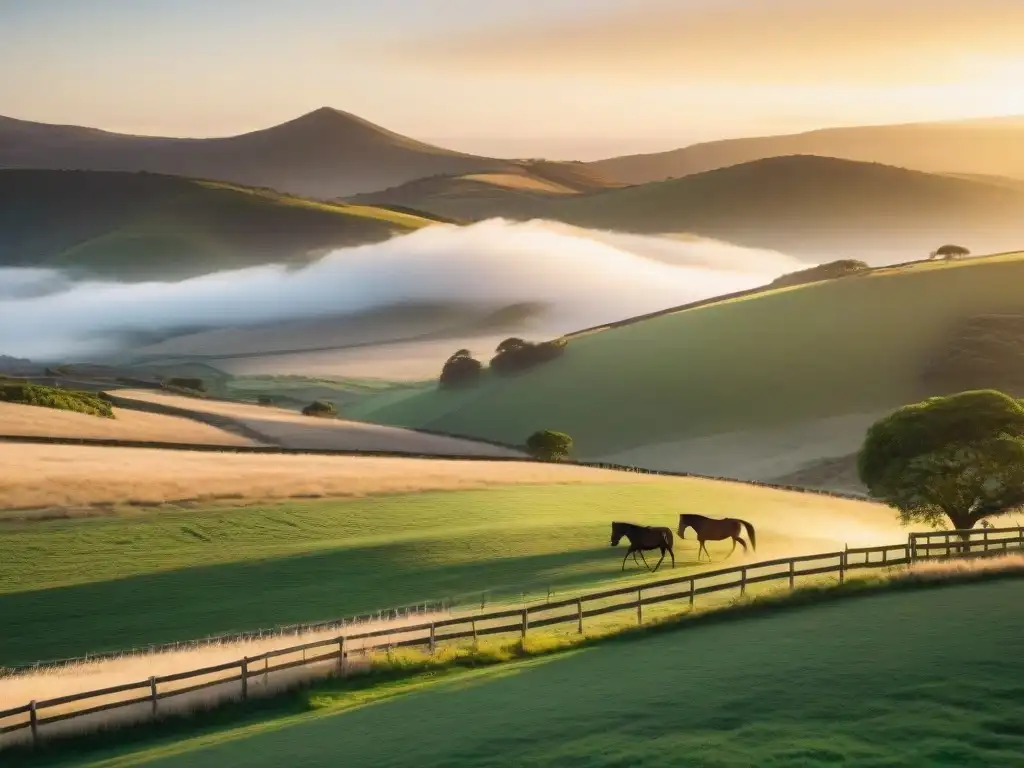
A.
pixel 326 153
pixel 814 207
pixel 754 387
pixel 147 225
pixel 986 146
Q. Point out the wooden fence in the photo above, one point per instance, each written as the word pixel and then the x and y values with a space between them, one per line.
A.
pixel 518 621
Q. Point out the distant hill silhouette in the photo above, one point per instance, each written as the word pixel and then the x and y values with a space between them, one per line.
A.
pixel 814 207
pixel 326 154
pixel 987 146
pixel 147 225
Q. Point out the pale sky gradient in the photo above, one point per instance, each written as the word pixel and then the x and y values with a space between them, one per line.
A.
pixel 561 78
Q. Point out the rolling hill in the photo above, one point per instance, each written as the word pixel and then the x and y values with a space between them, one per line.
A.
pixel 324 154
pixel 752 387
pixel 804 205
pixel 142 225
pixel 814 207
pixel 984 146
pixel 524 190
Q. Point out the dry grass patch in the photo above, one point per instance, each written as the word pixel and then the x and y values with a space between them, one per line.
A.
pixel 31 421
pixel 293 430
pixel 61 476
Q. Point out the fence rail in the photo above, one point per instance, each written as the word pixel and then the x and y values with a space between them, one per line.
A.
pixel 919 546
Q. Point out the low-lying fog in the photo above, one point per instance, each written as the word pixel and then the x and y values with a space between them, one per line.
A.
pixel 583 277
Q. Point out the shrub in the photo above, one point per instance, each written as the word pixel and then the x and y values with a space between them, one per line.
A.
pixel 514 355
pixel 460 370
pixel 829 271
pixel 321 409
pixel 547 445
pixel 52 397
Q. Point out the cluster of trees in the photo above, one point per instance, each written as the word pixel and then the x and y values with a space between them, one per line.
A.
pixel 958 458
pixel 512 356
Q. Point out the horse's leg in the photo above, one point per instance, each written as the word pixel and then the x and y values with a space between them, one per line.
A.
pixel 624 559
pixel 741 541
pixel 733 548
pixel 634 558
pixel 673 554
pixel 662 558
pixel 704 546
pixel 644 559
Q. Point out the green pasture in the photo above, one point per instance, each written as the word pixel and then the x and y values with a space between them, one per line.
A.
pixel 75 586
pixel 855 344
pixel 903 678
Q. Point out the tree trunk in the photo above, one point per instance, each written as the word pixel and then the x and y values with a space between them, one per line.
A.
pixel 963 522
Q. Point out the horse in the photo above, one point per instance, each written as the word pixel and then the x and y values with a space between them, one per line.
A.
pixel 713 529
pixel 643 537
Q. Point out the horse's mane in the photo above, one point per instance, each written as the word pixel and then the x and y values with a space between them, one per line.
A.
pixel 699 517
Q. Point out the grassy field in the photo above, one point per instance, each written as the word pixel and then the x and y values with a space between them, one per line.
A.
pixel 825 684
pixel 733 366
pixel 30 420
pixel 72 586
pixel 146 225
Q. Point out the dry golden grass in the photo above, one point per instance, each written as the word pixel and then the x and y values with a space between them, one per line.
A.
pixel 32 421
pixel 521 182
pixel 66 477
pixel 291 429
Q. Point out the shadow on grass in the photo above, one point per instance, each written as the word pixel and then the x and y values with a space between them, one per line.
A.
pixel 204 600
pixel 395 673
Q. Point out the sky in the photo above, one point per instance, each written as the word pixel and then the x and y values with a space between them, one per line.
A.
pixel 568 79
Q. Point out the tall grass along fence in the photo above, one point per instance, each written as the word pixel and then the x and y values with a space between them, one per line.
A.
pixel 403 613
pixel 334 655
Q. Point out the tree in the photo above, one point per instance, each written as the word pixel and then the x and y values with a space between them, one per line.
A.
pixel 460 370
pixel 950 252
pixel 547 445
pixel 959 458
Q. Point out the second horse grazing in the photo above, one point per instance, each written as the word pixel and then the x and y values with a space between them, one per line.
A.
pixel 713 529
pixel 643 537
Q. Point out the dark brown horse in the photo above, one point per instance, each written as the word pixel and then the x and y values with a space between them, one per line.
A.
pixel 713 529
pixel 641 538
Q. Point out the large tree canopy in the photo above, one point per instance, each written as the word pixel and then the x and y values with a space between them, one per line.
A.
pixel 959 457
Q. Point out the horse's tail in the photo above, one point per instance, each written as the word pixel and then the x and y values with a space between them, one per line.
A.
pixel 750 532
pixel 666 535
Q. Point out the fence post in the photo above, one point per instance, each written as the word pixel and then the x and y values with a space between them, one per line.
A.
pixel 743 581
pixel 842 565
pixel 475 640
pixel 911 554
pixel 640 606
pixel 792 574
pixel 152 694
pixel 266 671
pixel 33 717
pixel 526 623
pixel 245 677
pixel 692 595
pixel 341 656
pixel 885 556
pixel 985 535
pixel 433 639
pixel 579 615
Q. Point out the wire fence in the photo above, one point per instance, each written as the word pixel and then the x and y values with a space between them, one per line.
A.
pixel 251 675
